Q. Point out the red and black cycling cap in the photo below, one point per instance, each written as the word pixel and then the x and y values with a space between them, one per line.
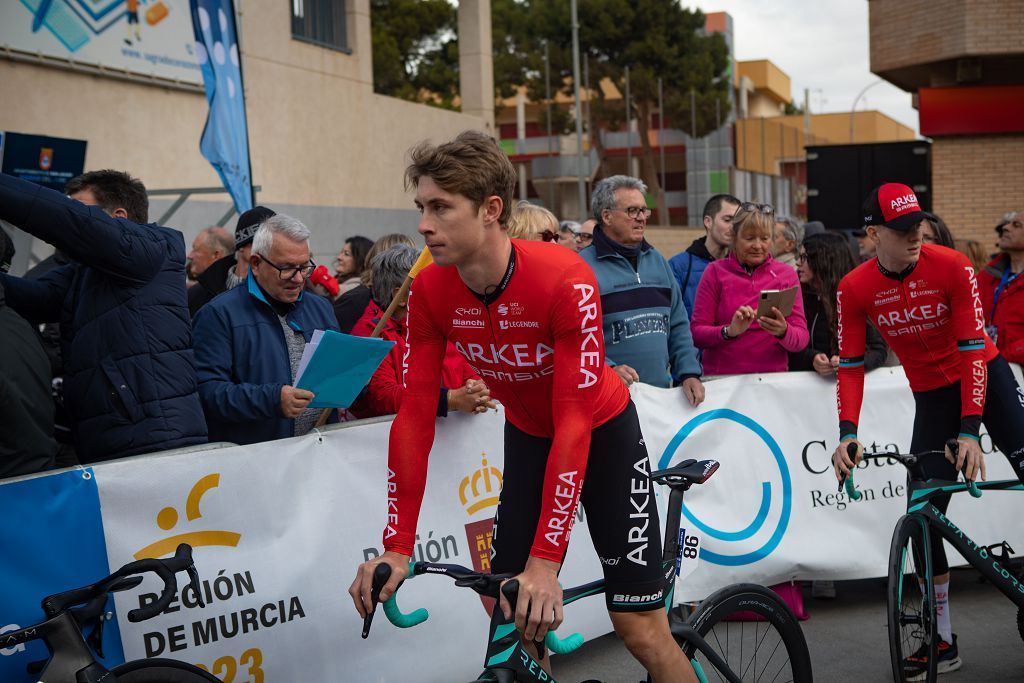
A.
pixel 895 206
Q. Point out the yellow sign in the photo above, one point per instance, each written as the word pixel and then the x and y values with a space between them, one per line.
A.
pixel 167 519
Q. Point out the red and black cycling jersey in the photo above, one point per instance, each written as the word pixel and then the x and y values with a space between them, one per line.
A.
pixel 931 316
pixel 537 343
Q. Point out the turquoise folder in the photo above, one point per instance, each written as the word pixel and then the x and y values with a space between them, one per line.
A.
pixel 340 367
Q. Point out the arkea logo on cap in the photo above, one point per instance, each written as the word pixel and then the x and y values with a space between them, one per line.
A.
pixel 894 205
pixel 896 200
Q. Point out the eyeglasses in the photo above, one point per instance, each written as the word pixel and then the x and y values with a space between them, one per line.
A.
pixel 289 272
pixel 548 235
pixel 635 212
pixel 801 257
pixel 753 206
pixel 584 236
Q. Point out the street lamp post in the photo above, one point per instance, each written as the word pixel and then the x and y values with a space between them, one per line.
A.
pixel 853 109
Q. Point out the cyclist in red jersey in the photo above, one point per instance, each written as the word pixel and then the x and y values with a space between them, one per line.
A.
pixel 923 299
pixel 527 317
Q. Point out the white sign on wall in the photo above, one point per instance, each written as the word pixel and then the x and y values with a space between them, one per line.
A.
pixel 148 37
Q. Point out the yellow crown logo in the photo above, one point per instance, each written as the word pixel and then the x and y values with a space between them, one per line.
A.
pixel 480 490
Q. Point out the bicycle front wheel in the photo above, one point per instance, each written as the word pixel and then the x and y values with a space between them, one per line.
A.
pixel 754 632
pixel 161 671
pixel 911 614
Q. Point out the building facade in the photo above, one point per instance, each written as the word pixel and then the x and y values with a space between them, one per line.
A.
pixel 324 147
pixel 964 62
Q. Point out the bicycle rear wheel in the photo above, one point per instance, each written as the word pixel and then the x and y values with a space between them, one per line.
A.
pixel 161 671
pixel 911 615
pixel 773 649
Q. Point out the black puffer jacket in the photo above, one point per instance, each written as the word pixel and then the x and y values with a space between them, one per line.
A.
pixel 823 341
pixel 130 377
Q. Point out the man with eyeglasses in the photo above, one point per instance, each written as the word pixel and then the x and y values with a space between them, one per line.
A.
pixel 1002 290
pixel 249 341
pixel 646 329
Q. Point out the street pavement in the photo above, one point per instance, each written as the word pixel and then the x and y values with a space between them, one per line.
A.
pixel 848 639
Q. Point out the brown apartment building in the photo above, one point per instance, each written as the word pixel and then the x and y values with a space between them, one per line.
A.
pixel 964 62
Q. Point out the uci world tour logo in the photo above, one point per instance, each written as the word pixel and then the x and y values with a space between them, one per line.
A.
pixel 785 497
pixel 167 519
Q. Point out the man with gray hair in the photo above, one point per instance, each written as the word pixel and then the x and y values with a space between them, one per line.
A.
pixel 646 330
pixel 249 341
pixel 789 235
pixel 210 245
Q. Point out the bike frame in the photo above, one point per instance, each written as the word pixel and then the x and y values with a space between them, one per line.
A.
pixel 508 661
pixel 64 639
pixel 921 492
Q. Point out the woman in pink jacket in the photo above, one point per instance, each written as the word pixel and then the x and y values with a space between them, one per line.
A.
pixel 723 324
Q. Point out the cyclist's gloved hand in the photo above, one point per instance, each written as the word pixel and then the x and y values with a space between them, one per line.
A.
pixel 969 458
pixel 841 461
pixel 360 588
pixel 539 606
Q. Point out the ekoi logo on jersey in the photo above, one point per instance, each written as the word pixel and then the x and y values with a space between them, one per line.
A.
pixel 564 511
pixel 590 347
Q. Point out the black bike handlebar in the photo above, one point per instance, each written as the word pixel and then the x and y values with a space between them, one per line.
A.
pixel 165 569
pixel 908 460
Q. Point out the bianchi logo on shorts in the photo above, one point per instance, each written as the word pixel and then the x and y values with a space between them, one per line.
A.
pixel 637 598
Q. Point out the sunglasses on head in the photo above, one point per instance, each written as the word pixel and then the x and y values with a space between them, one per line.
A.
pixel 548 235
pixel 755 207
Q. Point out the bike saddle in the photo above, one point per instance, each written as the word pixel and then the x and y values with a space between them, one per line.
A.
pixel 686 473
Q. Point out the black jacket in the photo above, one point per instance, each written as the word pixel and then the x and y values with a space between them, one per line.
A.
pixel 822 340
pixel 210 283
pixel 26 406
pixel 349 307
pixel 130 378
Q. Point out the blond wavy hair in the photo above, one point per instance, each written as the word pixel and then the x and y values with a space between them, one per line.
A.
pixel 528 221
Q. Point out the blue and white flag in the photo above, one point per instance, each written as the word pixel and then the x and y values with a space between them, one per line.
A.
pixel 225 142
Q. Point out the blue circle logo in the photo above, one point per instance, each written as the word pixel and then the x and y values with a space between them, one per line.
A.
pixel 766 492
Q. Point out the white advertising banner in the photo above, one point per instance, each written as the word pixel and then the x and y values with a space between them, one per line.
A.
pixel 278 528
pixel 148 37
pixel 772 512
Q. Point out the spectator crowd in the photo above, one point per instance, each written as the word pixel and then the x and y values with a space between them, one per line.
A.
pixel 124 343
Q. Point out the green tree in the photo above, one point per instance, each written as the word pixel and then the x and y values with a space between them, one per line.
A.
pixel 415 50
pixel 654 38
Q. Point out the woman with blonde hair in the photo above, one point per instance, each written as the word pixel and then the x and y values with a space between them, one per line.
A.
pixel 724 325
pixel 532 222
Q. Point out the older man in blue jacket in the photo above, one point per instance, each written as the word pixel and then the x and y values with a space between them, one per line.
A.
pixel 646 331
pixel 249 341
pixel 130 378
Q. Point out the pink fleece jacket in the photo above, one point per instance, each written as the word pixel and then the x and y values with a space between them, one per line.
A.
pixel 725 286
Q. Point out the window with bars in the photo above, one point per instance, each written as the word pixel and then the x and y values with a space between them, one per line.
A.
pixel 321 22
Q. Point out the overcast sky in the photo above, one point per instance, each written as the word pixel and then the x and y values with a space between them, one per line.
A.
pixel 822 46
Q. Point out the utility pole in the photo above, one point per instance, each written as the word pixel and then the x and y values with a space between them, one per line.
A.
pixel 580 189
pixel 660 147
pixel 629 129
pixel 551 153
